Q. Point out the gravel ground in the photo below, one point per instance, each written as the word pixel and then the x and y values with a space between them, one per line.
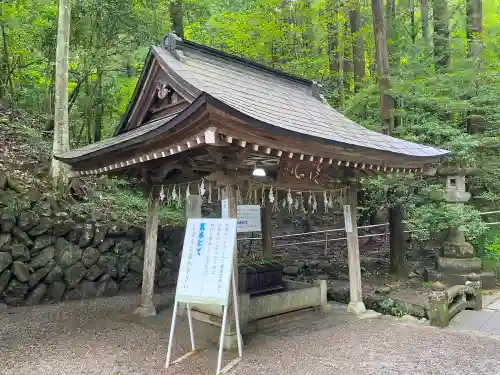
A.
pixel 103 337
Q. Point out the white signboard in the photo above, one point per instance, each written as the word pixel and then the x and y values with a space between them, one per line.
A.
pixel 249 218
pixel 225 208
pixel 347 218
pixel 207 261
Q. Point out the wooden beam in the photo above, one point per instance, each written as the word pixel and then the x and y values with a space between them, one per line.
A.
pixel 193 207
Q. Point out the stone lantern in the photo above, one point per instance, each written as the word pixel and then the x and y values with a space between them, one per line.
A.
pixel 457 260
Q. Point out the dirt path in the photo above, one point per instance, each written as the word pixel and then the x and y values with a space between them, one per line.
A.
pixel 102 337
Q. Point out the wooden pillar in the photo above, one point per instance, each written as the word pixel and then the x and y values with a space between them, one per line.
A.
pixel 193 207
pixel 147 307
pixel 193 211
pixel 230 337
pixel 267 241
pixel 356 305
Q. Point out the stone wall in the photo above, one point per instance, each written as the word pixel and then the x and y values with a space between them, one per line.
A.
pixel 48 255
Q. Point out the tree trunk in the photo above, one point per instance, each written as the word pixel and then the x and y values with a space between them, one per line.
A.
pixel 333 38
pixel 474 29
pixel 334 50
pixel 390 17
pixel 398 252
pixel 475 121
pixel 99 107
pixel 347 60
pixel 382 61
pixel 51 100
pixel 424 19
pixel 442 52
pixel 177 17
pixel 6 63
pixel 414 31
pixel 61 131
pixel 308 29
pixel 397 257
pixel 358 46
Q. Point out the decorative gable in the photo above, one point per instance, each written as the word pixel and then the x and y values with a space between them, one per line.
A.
pixel 165 102
pixel 157 96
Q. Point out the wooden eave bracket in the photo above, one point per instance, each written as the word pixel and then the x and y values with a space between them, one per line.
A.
pixel 283 153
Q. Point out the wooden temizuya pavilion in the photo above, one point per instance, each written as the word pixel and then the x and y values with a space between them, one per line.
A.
pixel 201 113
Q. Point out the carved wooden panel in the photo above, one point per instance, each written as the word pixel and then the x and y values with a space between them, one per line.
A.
pixel 302 171
pixel 261 160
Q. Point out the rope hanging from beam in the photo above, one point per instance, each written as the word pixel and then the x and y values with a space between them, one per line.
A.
pixel 258 193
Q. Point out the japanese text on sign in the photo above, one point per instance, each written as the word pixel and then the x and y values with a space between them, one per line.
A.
pixel 347 219
pixel 249 218
pixel 207 261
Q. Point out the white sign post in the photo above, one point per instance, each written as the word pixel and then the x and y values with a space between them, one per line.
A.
pixel 225 208
pixel 248 218
pixel 205 276
pixel 347 218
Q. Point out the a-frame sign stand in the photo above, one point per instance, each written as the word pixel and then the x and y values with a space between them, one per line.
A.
pixel 209 246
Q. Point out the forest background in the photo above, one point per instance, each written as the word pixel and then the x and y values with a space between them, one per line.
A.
pixel 435 64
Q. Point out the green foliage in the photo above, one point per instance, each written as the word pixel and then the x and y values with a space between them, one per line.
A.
pixel 388 306
pixel 457 109
pixel 488 248
pixel 122 198
pixel 430 219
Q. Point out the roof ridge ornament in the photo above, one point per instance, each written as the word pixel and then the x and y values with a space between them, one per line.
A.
pixel 171 42
pixel 316 91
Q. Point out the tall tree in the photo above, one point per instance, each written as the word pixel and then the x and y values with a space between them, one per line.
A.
pixel 442 52
pixel 334 49
pixel 390 28
pixel 474 13
pixel 177 17
pixel 347 66
pixel 334 37
pixel 358 45
pixel 5 69
pixel 61 128
pixel 395 211
pixel 474 29
pixel 424 20
pixel 413 25
pixel 382 61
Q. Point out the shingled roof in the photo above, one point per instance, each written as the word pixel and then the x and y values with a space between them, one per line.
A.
pixel 280 100
pixel 268 99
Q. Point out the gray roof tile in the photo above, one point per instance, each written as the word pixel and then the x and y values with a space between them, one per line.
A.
pixel 134 133
pixel 268 96
pixel 280 102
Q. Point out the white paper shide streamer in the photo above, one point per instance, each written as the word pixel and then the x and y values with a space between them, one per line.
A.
pixel 202 187
pixel 271 195
pixel 289 200
pixel 162 194
pixel 174 194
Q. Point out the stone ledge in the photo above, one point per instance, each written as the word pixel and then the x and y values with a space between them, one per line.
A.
pixel 488 279
pixel 459 265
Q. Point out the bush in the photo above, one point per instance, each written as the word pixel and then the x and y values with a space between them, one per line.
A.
pixel 488 248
